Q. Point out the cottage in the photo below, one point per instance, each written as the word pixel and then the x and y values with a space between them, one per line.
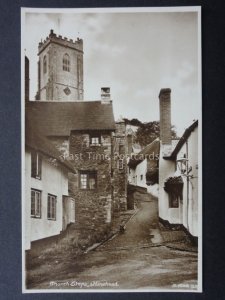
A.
pixel 47 205
pixel 143 166
pixel 178 172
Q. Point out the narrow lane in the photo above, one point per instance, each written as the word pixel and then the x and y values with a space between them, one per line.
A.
pixel 139 229
pixel 131 260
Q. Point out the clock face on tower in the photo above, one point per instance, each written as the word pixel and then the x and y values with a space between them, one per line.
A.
pixel 67 91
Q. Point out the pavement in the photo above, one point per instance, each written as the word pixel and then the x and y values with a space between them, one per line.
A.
pixel 137 259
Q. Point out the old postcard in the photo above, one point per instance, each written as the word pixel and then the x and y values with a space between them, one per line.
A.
pixel 111 150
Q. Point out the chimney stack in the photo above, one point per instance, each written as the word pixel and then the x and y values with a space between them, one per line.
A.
pixel 165 116
pixel 105 94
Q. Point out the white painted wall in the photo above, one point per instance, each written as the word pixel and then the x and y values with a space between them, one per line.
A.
pixel 131 176
pixel 190 202
pixel 54 181
pixel 68 211
pixel 187 213
pixel 140 171
pixel 153 189
pixel 166 169
pixel 134 177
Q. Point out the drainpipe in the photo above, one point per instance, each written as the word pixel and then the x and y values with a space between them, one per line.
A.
pixel 187 167
pixel 112 173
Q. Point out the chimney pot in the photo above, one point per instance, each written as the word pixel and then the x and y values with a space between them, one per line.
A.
pixel 105 94
pixel 164 91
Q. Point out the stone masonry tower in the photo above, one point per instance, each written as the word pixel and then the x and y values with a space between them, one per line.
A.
pixel 60 69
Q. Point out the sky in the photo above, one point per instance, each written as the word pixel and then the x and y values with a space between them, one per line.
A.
pixel 134 53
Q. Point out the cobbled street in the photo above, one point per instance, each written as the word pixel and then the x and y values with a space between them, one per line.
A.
pixel 135 259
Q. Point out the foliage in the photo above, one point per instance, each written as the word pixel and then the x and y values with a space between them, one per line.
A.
pixel 174 186
pixel 133 122
pixel 148 132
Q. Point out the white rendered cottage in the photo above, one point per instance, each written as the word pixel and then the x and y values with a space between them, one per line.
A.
pixel 48 209
pixel 178 172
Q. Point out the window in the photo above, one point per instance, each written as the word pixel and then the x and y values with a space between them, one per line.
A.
pixel 45 64
pixel 36 162
pixel 120 164
pixel 66 63
pixel 174 188
pixel 141 177
pixel 35 203
pixel 121 149
pixel 173 201
pixel 88 180
pixel 51 207
pixel 95 139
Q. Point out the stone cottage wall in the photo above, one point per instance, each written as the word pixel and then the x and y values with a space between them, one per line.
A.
pixel 93 207
pixel 120 174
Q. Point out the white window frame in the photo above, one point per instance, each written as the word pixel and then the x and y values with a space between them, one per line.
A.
pixel 38 165
pixel 51 207
pixel 95 140
pixel 36 210
pixel 85 177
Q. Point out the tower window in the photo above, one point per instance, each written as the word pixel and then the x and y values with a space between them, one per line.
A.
pixel 66 63
pixel 44 64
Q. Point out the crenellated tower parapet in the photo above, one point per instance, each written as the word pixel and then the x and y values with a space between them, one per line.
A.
pixel 63 41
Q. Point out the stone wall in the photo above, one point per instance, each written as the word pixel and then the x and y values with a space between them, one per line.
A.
pixel 93 206
pixel 120 168
pixel 96 209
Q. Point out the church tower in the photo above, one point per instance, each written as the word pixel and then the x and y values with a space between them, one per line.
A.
pixel 60 69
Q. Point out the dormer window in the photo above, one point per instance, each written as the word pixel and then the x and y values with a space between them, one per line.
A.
pixel 95 139
pixel 66 63
pixel 36 162
pixel 44 64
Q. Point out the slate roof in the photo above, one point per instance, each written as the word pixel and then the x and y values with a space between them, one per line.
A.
pixel 35 141
pixel 152 148
pixel 58 118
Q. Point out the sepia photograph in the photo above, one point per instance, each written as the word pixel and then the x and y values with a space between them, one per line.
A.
pixel 111 126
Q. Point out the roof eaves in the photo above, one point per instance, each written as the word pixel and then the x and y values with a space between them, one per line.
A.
pixel 182 140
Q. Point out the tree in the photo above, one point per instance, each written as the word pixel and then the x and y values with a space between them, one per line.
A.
pixel 148 132
pixel 134 122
